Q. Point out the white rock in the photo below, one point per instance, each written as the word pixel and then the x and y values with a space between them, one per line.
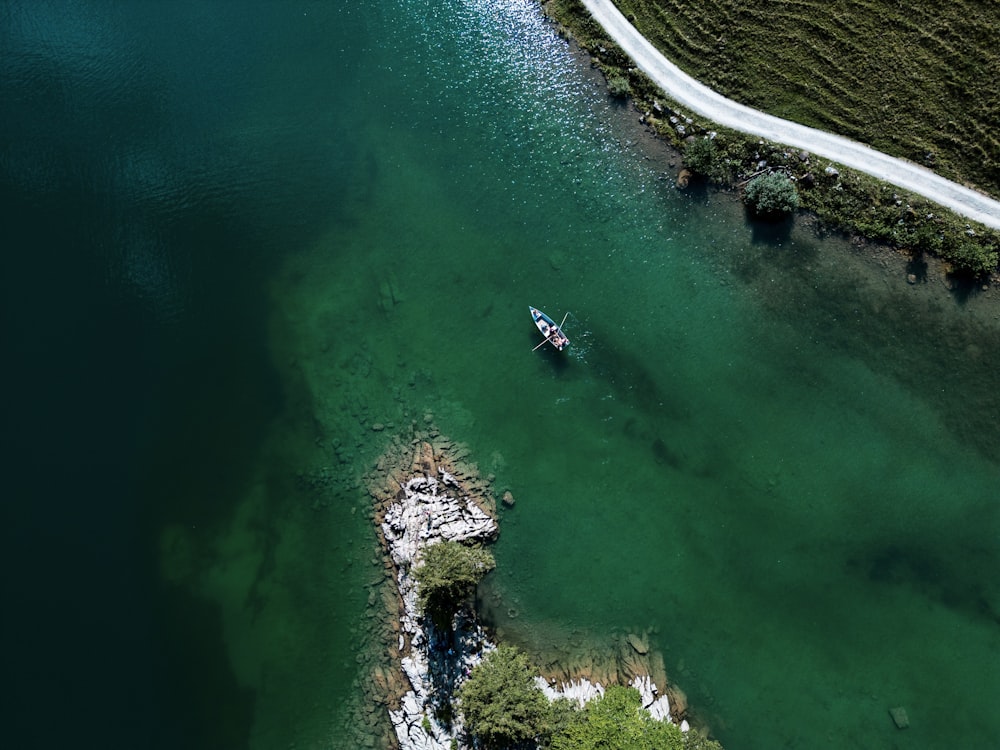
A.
pixel 660 709
pixel 410 707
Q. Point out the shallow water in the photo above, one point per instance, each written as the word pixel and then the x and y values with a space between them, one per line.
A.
pixel 299 221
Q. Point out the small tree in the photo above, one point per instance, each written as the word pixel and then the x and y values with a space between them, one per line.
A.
pixel 447 577
pixel 617 721
pixel 500 702
pixel 771 195
pixel 699 156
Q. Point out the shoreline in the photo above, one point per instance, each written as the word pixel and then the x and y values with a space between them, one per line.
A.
pixel 842 200
pixel 648 144
pixel 705 102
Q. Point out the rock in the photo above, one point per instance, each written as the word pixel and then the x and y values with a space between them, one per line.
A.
pixel 803 156
pixel 385 300
pixel 899 717
pixel 911 278
pixel 508 499
pixel 832 171
pixel 427 463
pixel 639 643
pixel 807 180
pixel 684 178
pixel 679 701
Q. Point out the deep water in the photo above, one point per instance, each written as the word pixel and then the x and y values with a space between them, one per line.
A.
pixel 238 237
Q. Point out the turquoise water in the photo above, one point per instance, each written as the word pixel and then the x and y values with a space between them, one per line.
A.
pixel 763 447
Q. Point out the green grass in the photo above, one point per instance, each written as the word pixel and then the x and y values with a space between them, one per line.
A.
pixel 912 79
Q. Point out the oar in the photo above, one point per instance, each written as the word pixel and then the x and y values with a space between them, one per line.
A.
pixel 558 328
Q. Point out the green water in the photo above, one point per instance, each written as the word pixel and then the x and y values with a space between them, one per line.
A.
pixel 764 447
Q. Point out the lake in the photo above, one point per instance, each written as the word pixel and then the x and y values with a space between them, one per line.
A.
pixel 241 236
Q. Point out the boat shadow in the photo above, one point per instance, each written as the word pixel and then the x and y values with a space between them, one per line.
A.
pixel 544 348
pixel 558 361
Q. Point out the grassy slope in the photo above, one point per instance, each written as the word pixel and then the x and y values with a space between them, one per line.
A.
pixel 917 79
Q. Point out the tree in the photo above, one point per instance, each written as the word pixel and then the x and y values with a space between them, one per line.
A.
pixel 699 156
pixel 771 195
pixel 448 575
pixel 617 721
pixel 500 702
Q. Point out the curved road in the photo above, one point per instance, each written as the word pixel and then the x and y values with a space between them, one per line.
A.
pixel 686 91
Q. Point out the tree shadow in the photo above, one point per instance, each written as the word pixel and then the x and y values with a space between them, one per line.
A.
pixel 696 190
pixel 917 267
pixel 963 287
pixel 448 651
pixel 557 360
pixel 770 231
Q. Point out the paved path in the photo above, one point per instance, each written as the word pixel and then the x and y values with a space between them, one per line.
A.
pixel 700 99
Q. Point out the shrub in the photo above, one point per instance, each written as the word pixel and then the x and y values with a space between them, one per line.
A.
pixel 617 721
pixel 562 713
pixel 695 740
pixel 500 702
pixel 699 156
pixel 771 195
pixel 618 85
pixel 969 258
pixel 448 575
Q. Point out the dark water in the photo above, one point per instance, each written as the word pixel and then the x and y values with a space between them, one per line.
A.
pixel 238 236
pixel 156 166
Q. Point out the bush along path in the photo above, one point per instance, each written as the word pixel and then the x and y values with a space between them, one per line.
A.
pixel 453 687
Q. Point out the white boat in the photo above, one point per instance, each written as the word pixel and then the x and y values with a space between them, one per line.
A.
pixel 553 333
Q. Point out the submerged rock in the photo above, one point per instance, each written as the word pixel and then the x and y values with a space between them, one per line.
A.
pixel 899 717
pixel 639 642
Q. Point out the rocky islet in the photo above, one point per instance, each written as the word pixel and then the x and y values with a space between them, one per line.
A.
pixel 424 495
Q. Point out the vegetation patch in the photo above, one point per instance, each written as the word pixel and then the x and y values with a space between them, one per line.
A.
pixel 617 721
pixel 503 707
pixel 448 576
pixel 771 195
pixel 500 702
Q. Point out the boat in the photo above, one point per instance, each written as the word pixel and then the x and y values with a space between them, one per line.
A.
pixel 553 333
